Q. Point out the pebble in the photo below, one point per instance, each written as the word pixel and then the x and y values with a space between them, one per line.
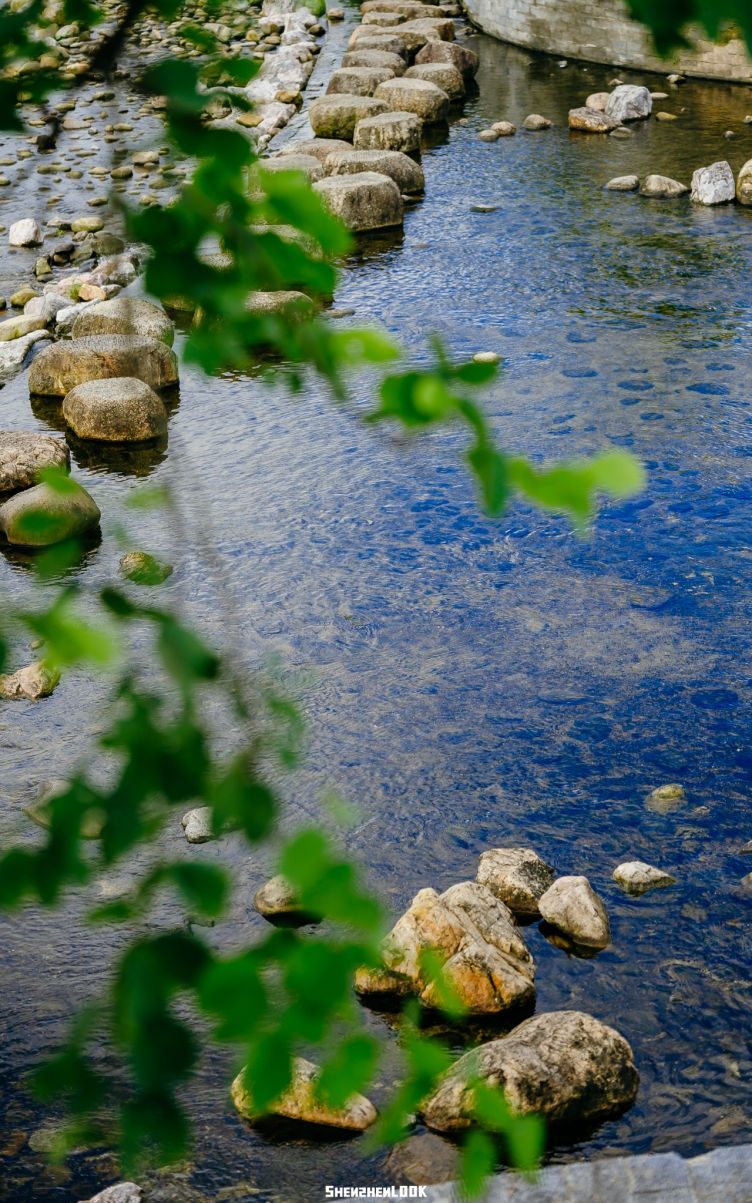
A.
pixel 638 878
pixel 278 902
pixel 197 825
pixel 572 905
pixel 662 116
pixel 483 208
pixel 536 122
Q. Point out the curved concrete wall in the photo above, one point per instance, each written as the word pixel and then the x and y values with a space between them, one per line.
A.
pixel 600 31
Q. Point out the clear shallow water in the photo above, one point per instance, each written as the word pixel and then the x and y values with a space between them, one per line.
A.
pixel 476 683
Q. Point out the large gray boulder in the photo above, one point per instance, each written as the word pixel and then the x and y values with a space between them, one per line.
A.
pixel 662 187
pixel 319 148
pixel 40 516
pixel 744 184
pixel 23 454
pixel 366 201
pixel 375 58
pixel 364 38
pixel 443 75
pixel 301 1101
pixel 406 173
pixel 474 935
pixel 565 1066
pixel 417 96
pixel 591 121
pixel 357 81
pixel 121 410
pixel 628 102
pixel 572 905
pixel 714 185
pixel 466 61
pixel 517 876
pixel 389 131
pixel 59 368
pixel 337 116
pixel 125 315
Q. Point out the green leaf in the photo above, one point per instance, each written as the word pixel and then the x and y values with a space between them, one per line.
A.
pixel 233 992
pixel 571 488
pixel 241 801
pixel 445 994
pixel 348 1071
pixel 184 655
pixel 477 1163
pixel 269 1070
pixel 492 471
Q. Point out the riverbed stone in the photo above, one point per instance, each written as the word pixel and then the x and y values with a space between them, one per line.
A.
pixel 666 798
pixel 714 185
pixel 637 878
pixel 24 453
pixel 59 368
pixel 406 173
pixel 504 129
pixel 591 121
pixel 300 1101
pixel 517 876
pixel 389 131
pixel 415 34
pixel 357 81
pixel 119 1192
pixel 597 100
pixel 386 20
pixel 143 569
pixel 662 186
pixel 336 116
pixel 17 327
pixel 197 825
pixel 536 122
pixel 13 353
pixel 565 1066
pixel 628 102
pixel 66 515
pixel 572 905
pixel 624 183
pixel 744 184
pixel 292 305
pixel 364 38
pixel 365 201
pixel 375 58
pixel 319 148
pixel 423 1160
pixel 444 75
pixel 466 61
pixel 417 96
pixel 119 410
pixel 25 232
pixel 278 901
pixel 125 315
pixel 33 682
pixel 308 164
pixel 484 955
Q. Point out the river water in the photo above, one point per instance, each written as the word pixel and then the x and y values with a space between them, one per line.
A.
pixel 468 683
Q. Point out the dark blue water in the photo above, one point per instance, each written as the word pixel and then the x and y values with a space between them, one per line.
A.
pixel 471 683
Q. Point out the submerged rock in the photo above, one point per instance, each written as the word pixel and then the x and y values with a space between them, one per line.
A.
pixel 62 366
pixel 300 1102
pixel 466 61
pixel 32 683
pixel 337 116
pixel 637 878
pixel 591 121
pixel 517 876
pixel 444 75
pixel 485 957
pixel 572 905
pixel 417 96
pixel 120 410
pixel 665 798
pixel 624 183
pixel 423 1160
pixel 565 1066
pixel 536 122
pixel 714 185
pixel 744 184
pixel 126 315
pixel 143 569
pixel 366 201
pixel 389 131
pixel 292 305
pixel 406 173
pixel 628 102
pixel 504 129
pixel 40 516
pixel 24 453
pixel 197 825
pixel 662 186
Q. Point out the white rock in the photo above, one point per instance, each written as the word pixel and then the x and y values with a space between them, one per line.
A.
pixel 47 306
pixel 624 183
pixel 25 232
pixel 629 103
pixel 121 1192
pixel 12 354
pixel 637 877
pixel 662 186
pixel 713 185
pixel 572 905
pixel 198 825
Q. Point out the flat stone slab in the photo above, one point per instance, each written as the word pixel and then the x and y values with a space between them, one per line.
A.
pixel 723 1176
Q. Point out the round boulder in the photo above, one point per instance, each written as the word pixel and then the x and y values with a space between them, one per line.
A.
pixel 125 315
pixel 637 878
pixel 417 96
pixel 572 905
pixel 597 101
pixel 406 173
pixel 41 516
pixel 565 1066
pixel 336 116
pixel 389 131
pixel 662 187
pixel 624 183
pixel 119 410
pixel 23 454
pixel 535 122
pixel 443 75
pixel 64 365
pixel 365 201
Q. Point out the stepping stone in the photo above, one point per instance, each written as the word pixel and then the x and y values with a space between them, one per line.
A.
pixel 417 96
pixel 119 410
pixel 337 116
pixel 366 201
pixel 466 61
pixel 40 516
pixel 406 173
pixel 389 131
pixel 64 365
pixel 444 75
pixel 125 315
pixel 358 81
